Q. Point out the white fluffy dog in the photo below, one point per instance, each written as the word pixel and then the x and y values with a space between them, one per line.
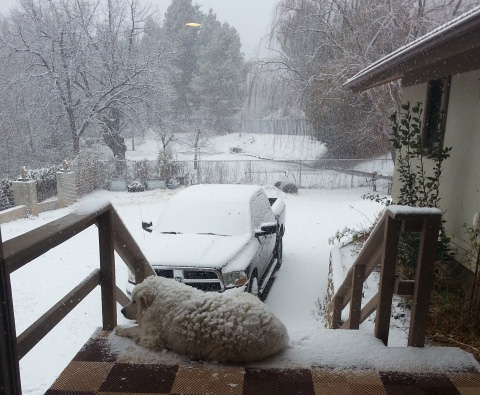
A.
pixel 174 316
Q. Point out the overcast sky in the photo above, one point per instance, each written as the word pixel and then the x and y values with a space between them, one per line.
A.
pixel 251 18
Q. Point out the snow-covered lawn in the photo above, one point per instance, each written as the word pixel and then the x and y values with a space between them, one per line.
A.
pixel 252 145
pixel 312 217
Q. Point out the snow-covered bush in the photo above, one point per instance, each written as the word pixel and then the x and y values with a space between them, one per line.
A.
pixel 46 181
pixel 6 194
pixel 163 161
pixel 141 171
pixel 135 186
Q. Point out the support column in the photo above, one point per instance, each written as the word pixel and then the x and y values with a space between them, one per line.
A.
pixel 25 193
pixel 66 188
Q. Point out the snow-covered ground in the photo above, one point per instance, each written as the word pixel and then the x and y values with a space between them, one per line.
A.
pixel 252 145
pixel 312 217
pixel 265 159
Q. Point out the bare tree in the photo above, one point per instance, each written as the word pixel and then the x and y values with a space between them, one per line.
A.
pixel 86 57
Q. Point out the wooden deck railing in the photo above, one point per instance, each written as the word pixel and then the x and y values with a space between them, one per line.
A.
pixel 382 248
pixel 17 252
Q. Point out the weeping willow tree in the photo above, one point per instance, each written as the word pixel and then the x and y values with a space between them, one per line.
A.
pixel 316 45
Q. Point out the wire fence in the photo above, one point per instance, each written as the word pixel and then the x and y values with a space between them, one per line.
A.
pixel 328 174
pixel 93 174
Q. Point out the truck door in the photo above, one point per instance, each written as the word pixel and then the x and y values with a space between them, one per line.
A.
pixel 261 213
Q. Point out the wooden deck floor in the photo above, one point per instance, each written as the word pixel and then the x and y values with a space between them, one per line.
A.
pixel 100 368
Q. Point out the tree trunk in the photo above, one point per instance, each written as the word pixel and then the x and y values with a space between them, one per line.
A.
pixel 111 133
pixel 195 159
pixel 116 143
pixel 73 131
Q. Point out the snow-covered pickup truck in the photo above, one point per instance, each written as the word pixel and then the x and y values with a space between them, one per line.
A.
pixel 218 237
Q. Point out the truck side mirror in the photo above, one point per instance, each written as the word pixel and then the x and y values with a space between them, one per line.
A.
pixel 146 226
pixel 267 228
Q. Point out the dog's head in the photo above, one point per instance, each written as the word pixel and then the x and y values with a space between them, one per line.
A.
pixel 141 300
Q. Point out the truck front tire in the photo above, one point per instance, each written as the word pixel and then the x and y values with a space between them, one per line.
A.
pixel 279 253
pixel 253 287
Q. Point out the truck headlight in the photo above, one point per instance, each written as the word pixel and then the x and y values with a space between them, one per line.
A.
pixel 234 279
pixel 131 277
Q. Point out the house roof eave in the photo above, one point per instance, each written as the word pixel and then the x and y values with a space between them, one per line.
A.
pixel 441 42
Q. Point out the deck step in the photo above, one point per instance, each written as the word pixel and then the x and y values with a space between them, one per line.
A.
pixel 108 363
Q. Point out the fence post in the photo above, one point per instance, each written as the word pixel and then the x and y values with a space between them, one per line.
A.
pixel 10 369
pixel 300 180
pixel 423 281
pixel 107 270
pixel 387 278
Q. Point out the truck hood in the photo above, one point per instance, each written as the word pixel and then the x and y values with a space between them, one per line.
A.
pixel 193 250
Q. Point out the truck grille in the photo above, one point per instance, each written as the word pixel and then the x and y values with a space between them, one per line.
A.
pixel 205 280
pixel 167 273
pixel 199 275
pixel 207 287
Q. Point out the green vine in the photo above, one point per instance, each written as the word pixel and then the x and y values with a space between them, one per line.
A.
pixel 419 188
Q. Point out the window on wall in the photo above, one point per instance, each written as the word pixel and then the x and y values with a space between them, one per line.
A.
pixel 436 112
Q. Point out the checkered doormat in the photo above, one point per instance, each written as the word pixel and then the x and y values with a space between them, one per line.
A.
pixel 99 369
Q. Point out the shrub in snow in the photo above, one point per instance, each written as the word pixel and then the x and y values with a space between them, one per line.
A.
pixel 163 161
pixel 287 187
pixel 354 234
pixel 419 187
pixel 173 183
pixel 135 186
pixel 141 170
pixel 6 194
pixel 46 179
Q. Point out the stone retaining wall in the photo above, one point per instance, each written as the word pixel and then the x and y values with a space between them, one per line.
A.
pixel 48 205
pixel 13 213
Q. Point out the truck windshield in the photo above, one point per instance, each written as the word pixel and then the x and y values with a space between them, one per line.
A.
pixel 219 218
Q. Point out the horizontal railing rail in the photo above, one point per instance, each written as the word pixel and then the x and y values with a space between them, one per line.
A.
pixel 381 248
pixel 19 251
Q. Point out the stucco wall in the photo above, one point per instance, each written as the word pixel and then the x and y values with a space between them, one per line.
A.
pixel 461 189
pixel 460 186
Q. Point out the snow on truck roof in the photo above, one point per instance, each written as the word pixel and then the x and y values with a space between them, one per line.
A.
pixel 218 193
pixel 209 209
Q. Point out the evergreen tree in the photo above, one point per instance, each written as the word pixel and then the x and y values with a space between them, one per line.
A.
pixel 183 41
pixel 208 61
pixel 217 84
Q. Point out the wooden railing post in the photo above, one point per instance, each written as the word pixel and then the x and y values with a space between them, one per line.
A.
pixel 423 280
pixel 356 300
pixel 387 278
pixel 107 270
pixel 127 248
pixel 337 312
pixel 10 370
